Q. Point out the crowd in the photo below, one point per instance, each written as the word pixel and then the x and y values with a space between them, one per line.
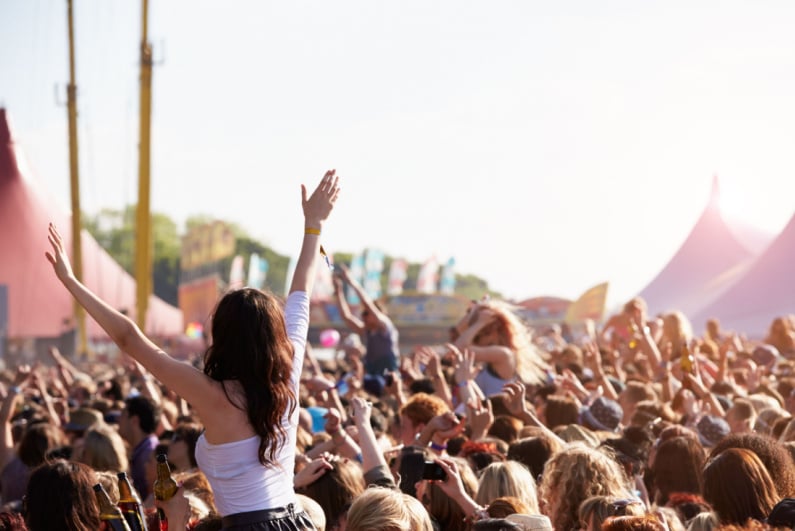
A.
pixel 638 425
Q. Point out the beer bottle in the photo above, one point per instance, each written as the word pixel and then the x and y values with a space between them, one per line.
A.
pixel 686 361
pixel 165 488
pixel 112 519
pixel 130 504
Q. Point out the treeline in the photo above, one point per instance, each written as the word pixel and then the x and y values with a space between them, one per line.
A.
pixel 114 230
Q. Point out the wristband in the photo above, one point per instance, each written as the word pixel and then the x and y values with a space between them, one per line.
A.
pixel 438 447
pixel 310 230
pixel 15 389
pixel 463 384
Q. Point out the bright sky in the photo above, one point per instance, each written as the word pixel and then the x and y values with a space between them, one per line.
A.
pixel 547 146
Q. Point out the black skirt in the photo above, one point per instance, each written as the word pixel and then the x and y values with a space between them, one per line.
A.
pixel 280 519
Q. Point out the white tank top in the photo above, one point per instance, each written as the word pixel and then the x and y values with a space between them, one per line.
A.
pixel 239 481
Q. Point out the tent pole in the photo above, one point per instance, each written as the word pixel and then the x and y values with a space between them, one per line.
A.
pixel 143 248
pixel 77 253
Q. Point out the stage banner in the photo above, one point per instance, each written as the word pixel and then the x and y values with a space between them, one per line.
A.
pixel 357 274
pixel 447 283
pixel 257 271
pixel 237 273
pixel 373 267
pixel 428 276
pixel 397 276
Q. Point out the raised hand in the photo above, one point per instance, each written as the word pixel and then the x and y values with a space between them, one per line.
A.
pixel 311 472
pixel 318 206
pixel 58 259
pixel 513 398
pixel 362 410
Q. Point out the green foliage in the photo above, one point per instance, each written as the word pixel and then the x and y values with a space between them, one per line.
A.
pixel 114 230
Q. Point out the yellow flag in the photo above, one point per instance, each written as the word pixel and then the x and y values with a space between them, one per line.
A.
pixel 590 305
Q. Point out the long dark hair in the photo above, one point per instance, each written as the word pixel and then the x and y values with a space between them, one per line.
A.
pixel 250 345
pixel 60 495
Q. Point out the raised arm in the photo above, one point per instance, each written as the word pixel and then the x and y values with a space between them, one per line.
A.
pixel 353 322
pixel 317 208
pixel 183 378
pixel 367 302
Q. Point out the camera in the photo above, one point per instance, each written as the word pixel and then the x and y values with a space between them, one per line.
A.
pixel 432 470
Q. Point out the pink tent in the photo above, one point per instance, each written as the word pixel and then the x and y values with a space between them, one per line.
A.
pixel 710 260
pixel 38 305
pixel 766 291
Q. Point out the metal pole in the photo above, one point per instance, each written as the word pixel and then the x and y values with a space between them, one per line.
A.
pixel 143 252
pixel 77 253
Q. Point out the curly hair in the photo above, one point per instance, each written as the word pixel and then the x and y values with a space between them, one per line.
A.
pixel 575 474
pixel 773 455
pixel 250 345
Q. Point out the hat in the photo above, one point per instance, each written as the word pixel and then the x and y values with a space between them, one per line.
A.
pixel 765 354
pixel 711 430
pixel 83 418
pixel 576 433
pixel 531 522
pixel 603 414
pixel 783 513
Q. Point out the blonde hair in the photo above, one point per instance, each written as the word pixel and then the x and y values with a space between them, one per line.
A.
pixel 507 478
pixel 387 510
pixel 104 450
pixel 596 509
pixel 516 337
pixel 575 474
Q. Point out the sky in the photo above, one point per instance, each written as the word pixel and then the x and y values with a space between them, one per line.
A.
pixel 546 146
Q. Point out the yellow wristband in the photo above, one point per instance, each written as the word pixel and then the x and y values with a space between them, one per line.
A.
pixel 310 230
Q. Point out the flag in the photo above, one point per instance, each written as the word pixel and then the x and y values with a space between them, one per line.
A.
pixel 428 276
pixel 397 276
pixel 590 305
pixel 257 271
pixel 237 273
pixel 447 283
pixel 373 266
pixel 356 273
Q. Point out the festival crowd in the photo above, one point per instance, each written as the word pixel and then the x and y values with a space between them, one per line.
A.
pixel 637 425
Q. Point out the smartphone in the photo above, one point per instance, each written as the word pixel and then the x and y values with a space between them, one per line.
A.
pixel 389 378
pixel 433 470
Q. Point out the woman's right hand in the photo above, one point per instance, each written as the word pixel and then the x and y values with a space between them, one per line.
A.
pixel 318 206
pixel 452 485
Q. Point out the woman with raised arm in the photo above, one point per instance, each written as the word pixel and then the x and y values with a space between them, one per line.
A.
pixel 247 394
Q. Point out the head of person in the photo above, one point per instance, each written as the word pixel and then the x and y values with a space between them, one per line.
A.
pixel 574 474
pixel 677 329
pixel 103 450
pixel 313 510
pixel 677 467
pixel 603 414
pixel 369 319
pixel 635 308
pixel 560 411
pixel 37 441
pixel 596 509
pixel 507 505
pixel 738 487
pixel 387 510
pixel 533 452
pixel 508 478
pixel 741 416
pixel 138 419
pixel 182 448
pixel 713 329
pixel 633 393
pixel 250 345
pixel 416 413
pixel 336 489
pixel 645 522
pixel 60 495
pixel 506 428
pixel 774 456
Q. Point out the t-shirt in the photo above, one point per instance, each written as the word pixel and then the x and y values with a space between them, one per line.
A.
pixel 382 350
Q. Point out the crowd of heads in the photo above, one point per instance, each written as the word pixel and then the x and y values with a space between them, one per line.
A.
pixel 639 425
